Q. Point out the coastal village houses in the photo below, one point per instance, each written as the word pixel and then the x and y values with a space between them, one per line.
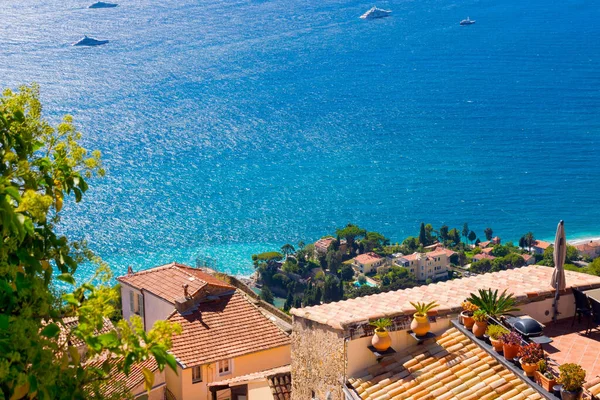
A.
pixel 232 346
pixel 590 249
pixel 539 246
pixel 368 262
pixel 331 359
pixel 432 265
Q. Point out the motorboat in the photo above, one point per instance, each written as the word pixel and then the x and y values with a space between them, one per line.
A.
pixel 88 41
pixel 467 21
pixel 376 13
pixel 101 4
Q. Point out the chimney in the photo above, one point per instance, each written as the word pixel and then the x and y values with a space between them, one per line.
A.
pixel 185 291
pixel 129 270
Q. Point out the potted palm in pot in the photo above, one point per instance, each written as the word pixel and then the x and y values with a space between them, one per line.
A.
pixel 572 378
pixel 381 339
pixel 511 342
pixel 420 323
pixel 493 304
pixel 529 356
pixel 467 314
pixel 494 332
pixel 480 319
pixel 544 377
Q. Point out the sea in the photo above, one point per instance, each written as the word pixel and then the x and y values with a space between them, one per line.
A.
pixel 230 127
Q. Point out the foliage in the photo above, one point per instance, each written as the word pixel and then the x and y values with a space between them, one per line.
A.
pixel 548 256
pixel 468 307
pixel 480 316
pixel 362 279
pixel 381 324
pixel 492 304
pixel 290 266
pixel 531 353
pixel 374 240
pixel 267 295
pixel 481 267
pixel 422 235
pixel 444 232
pixel 333 259
pixel 500 251
pixel 287 249
pixel 332 289
pixel 511 338
pixel 454 236
pixel 465 230
pixel 266 257
pixel 571 376
pixel 423 308
pixel 347 273
pixel 495 331
pixel 42 168
pixel 489 233
pixel 477 250
pixel 527 240
pixel 350 232
pixel 472 236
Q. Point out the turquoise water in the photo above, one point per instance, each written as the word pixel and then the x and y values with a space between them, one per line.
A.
pixel 230 127
pixel 357 284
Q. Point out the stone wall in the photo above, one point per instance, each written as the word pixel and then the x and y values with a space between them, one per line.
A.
pixel 318 361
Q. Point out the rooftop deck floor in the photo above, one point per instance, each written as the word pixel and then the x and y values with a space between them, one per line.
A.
pixel 572 345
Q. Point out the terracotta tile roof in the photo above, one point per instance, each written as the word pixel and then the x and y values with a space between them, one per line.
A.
pixel 217 330
pixel 452 368
pixel 481 256
pixel 367 258
pixel 281 386
pixel 167 281
pixel 487 250
pixel 324 243
pixel 279 379
pixel 526 257
pixel 541 244
pixel 439 251
pixel 413 257
pixel 118 380
pixel 484 244
pixel 593 386
pixel 70 323
pixel 525 282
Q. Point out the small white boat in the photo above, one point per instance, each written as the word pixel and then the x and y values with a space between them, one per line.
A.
pixel 467 21
pixel 88 41
pixel 376 13
pixel 101 4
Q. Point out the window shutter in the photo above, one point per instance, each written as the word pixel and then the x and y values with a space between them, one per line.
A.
pixel 141 304
pixel 131 305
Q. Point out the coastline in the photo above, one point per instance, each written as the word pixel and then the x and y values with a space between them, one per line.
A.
pixel 575 242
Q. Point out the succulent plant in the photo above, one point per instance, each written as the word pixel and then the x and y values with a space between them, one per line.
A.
pixel 531 354
pixel 480 316
pixel 495 331
pixel 469 308
pixel 423 308
pixel 381 323
pixel 494 305
pixel 572 377
pixel 511 338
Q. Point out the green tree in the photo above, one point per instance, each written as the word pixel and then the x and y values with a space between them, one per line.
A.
pixel 374 240
pixel 331 289
pixel 501 251
pixel 465 231
pixel 480 267
pixel 301 244
pixel 527 240
pixel 289 302
pixel 267 295
pixel 43 168
pixel 334 260
pixel 350 232
pixel 422 235
pixel 362 279
pixel 454 235
pixel 287 249
pixel 489 233
pixel 444 233
pixel 347 273
pixel 472 236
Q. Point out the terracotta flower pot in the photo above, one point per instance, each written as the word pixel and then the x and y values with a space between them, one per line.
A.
pixel 510 350
pixel 547 384
pixel 567 395
pixel 381 340
pixel 496 344
pixel 420 325
pixel 479 328
pixel 468 321
pixel 529 368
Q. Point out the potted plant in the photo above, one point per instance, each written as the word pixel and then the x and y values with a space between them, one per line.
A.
pixel 544 377
pixel 530 355
pixel 511 342
pixel 381 339
pixel 480 319
pixel 494 305
pixel 572 378
pixel 494 332
pixel 420 323
pixel 467 314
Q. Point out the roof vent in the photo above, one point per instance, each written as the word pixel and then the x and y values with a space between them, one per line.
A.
pixel 191 279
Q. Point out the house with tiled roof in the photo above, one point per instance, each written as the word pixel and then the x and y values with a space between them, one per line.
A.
pixel 368 262
pixel 483 256
pixel 271 384
pixel 590 249
pixel 432 265
pixel 539 246
pixel 488 250
pixel 227 331
pixel 331 358
pixel 529 259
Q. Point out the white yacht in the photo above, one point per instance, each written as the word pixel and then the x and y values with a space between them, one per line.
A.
pixel 376 13
pixel 88 41
pixel 467 21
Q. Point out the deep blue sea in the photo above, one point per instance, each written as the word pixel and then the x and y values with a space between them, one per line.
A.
pixel 233 126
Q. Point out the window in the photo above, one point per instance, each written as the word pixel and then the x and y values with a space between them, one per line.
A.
pixel 131 301
pixel 224 367
pixel 140 305
pixel 197 374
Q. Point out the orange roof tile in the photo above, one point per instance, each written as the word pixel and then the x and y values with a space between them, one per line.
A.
pixel 451 367
pixel 167 281
pixel 531 281
pixel 541 244
pixel 324 243
pixel 484 244
pixel 481 256
pixel 118 381
pixel 367 258
pixel 70 323
pixel 487 250
pixel 526 257
pixel 217 330
pixel 441 251
pixel 286 369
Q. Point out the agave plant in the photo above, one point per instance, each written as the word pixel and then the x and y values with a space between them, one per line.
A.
pixel 424 308
pixel 493 305
pixel 381 323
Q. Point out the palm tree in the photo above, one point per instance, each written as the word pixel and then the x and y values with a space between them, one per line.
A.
pixel 529 240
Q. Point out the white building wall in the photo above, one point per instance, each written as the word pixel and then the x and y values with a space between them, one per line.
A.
pixel 154 307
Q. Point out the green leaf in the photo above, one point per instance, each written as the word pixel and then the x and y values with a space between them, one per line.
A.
pixel 66 277
pixel 13 192
pixel 4 322
pixel 50 331
pixel 109 339
pixel 148 379
pixel 70 299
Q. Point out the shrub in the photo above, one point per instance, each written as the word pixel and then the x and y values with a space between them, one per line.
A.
pixel 495 331
pixel 492 304
pixel 480 316
pixel 572 377
pixel 531 354
pixel 362 279
pixel 511 338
